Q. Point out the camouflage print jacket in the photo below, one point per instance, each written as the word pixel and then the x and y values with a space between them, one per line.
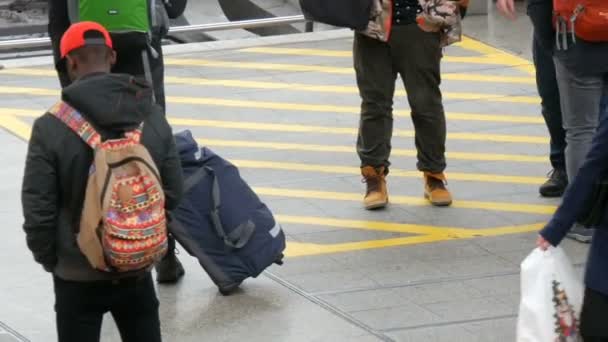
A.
pixel 443 13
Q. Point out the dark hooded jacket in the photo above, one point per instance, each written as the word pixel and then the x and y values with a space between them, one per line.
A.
pixel 58 162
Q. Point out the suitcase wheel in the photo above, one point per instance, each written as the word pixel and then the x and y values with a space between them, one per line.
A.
pixel 227 290
pixel 279 260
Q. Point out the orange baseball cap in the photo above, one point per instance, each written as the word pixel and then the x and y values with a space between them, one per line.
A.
pixel 82 34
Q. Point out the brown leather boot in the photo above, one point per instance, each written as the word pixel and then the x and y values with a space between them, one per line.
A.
pixel 435 189
pixel 376 195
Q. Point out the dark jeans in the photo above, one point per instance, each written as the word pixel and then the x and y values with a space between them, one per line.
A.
pixel 546 82
pixel 593 317
pixel 127 62
pixel 132 302
pixel 415 55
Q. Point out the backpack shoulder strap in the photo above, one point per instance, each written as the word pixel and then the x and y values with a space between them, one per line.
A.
pixel 77 123
pixel 135 135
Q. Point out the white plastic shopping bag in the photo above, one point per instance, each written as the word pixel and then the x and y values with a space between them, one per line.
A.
pixel 551 298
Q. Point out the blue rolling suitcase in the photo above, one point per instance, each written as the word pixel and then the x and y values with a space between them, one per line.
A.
pixel 221 221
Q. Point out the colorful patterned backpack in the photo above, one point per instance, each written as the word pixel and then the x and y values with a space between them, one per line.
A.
pixel 123 224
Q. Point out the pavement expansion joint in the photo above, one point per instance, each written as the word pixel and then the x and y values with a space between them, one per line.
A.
pixel 448 323
pixel 431 281
pixel 5 331
pixel 331 308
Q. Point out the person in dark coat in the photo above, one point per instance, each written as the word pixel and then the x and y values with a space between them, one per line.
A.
pixel 169 270
pixel 56 173
pixel 543 40
pixel 575 203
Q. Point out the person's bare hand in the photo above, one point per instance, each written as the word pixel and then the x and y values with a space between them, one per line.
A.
pixel 542 243
pixel 507 8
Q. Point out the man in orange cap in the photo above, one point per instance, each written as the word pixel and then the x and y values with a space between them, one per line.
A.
pixel 57 169
pixel 129 60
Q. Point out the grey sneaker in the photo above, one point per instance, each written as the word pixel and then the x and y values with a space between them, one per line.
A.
pixel 581 234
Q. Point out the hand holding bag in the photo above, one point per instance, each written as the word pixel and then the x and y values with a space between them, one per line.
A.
pixel 551 298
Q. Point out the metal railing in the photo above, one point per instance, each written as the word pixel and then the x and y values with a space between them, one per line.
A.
pixel 30 43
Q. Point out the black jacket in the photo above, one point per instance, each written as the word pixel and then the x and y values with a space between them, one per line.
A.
pixel 58 162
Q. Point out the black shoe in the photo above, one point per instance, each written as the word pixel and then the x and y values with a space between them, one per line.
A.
pixel 555 185
pixel 169 270
pixel 581 234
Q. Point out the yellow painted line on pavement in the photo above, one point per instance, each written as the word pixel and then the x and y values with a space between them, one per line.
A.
pixel 349 149
pixel 499 55
pixel 257 66
pixel 316 108
pixel 488 55
pixel 429 234
pixel 352 110
pixel 471 77
pixel 475 45
pixel 28 91
pixel 488 78
pixel 15 126
pixel 348 54
pixel 468 77
pixel 499 138
pixel 525 208
pixel 306 87
pixel 23 130
pixel 380 226
pixel 294 106
pixel 488 232
pixel 295 128
pixel 299 249
pixel 336 169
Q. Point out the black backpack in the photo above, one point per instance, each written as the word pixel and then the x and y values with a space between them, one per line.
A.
pixel 353 14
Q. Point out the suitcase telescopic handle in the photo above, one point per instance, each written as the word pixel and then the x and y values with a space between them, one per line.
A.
pixel 239 237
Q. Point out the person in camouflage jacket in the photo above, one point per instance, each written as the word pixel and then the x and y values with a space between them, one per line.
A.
pixel 404 37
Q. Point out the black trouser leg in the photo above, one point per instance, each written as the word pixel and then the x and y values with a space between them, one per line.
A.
pixel 593 317
pixel 376 82
pixel 79 311
pixel 137 316
pixel 548 90
pixel 417 57
pixel 80 307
